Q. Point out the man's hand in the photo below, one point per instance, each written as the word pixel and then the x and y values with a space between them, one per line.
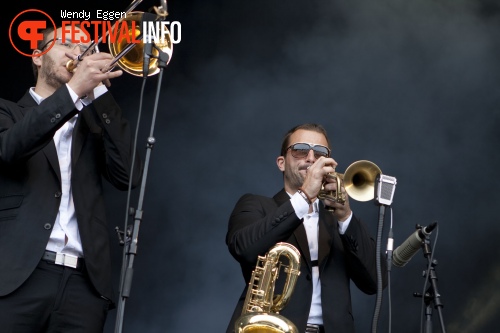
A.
pixel 316 174
pixel 88 75
pixel 341 210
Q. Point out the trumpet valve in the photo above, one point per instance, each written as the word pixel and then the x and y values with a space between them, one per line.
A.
pixel 335 196
pixel 330 175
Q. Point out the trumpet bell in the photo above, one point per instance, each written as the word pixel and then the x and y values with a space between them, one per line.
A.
pixel 359 180
pixel 132 61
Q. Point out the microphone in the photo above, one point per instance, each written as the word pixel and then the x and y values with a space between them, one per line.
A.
pixel 148 49
pixel 162 10
pixel 386 185
pixel 403 254
pixel 147 42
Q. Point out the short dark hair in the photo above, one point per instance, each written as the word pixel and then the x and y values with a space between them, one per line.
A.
pixel 47 35
pixel 308 127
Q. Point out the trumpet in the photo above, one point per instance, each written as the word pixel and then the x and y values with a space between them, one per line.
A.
pixel 129 57
pixel 359 183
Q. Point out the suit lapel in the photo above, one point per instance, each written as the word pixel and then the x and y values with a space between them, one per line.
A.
pixel 301 237
pixel 299 233
pixel 51 154
pixel 327 225
pixel 49 150
pixel 79 133
pixel 26 101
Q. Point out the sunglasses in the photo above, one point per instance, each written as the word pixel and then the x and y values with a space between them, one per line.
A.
pixel 68 45
pixel 301 150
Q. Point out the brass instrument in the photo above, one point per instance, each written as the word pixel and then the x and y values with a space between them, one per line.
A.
pixel 129 57
pixel 359 183
pixel 261 308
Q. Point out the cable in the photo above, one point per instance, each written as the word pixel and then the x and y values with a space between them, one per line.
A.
pixel 389 267
pixel 379 270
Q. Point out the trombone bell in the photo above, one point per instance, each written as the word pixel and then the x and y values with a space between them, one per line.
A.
pixel 132 61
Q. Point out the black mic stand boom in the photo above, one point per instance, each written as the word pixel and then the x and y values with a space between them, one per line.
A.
pixel 131 244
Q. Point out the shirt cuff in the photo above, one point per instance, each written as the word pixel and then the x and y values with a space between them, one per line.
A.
pixel 300 206
pixel 75 98
pixel 100 90
pixel 343 225
pixel 84 101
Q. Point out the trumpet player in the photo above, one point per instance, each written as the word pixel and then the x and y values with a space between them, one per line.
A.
pixel 335 246
pixel 57 144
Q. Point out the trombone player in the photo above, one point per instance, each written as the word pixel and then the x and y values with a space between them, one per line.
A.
pixel 57 144
pixel 335 246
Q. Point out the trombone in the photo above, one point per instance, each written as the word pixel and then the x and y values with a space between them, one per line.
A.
pixel 129 57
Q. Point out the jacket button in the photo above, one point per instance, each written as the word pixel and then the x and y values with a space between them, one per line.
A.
pixel 57 194
pixel 107 121
pixel 277 219
pixel 47 226
pixel 52 120
pixel 105 115
pixel 58 115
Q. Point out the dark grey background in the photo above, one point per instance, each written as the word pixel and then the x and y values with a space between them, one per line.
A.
pixel 410 85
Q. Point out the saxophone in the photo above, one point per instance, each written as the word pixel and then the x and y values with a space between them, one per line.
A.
pixel 261 308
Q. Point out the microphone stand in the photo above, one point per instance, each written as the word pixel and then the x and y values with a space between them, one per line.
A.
pixel 378 301
pixel 131 244
pixel 384 192
pixel 432 296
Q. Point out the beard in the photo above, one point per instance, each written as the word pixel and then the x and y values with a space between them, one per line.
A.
pixel 48 72
pixel 293 178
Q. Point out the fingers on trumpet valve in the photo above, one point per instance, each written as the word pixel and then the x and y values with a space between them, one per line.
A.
pixel 331 175
pixel 334 177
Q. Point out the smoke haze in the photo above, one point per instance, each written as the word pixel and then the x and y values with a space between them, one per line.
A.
pixel 410 85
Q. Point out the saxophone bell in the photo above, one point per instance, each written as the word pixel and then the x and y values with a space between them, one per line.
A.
pixel 261 307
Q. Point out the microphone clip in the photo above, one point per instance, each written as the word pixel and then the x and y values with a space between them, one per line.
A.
pixel 425 231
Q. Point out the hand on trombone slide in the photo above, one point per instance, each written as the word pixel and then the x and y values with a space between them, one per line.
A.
pixel 88 72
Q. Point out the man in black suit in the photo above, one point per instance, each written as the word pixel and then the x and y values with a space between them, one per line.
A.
pixel 335 247
pixel 56 145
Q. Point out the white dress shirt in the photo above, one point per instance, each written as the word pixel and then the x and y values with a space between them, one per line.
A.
pixel 301 208
pixel 65 236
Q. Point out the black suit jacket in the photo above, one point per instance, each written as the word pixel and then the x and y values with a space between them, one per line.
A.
pixel 30 181
pixel 257 223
